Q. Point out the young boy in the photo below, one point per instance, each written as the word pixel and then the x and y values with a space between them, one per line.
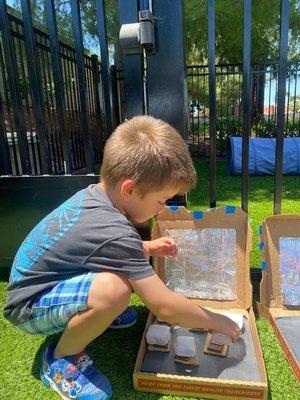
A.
pixel 75 271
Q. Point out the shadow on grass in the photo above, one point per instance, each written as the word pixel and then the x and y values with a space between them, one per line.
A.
pixel 114 353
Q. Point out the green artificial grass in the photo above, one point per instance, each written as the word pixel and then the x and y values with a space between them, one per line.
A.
pixel 115 351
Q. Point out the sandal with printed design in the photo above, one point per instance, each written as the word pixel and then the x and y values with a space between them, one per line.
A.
pixel 74 377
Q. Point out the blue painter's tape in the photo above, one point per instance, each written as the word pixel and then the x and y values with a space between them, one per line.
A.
pixel 263 265
pixel 198 214
pixel 261 246
pixel 260 230
pixel 230 209
pixel 174 208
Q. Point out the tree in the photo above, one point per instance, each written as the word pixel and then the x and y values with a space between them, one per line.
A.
pixel 229 27
pixel 229 35
pixel 229 31
pixel 229 39
pixel 64 23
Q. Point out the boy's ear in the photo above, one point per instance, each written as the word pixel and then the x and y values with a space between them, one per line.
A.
pixel 127 187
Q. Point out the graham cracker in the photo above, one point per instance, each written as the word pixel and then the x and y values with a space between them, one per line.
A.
pixel 215 349
pixel 187 360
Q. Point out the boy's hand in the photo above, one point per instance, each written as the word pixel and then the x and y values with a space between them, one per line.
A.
pixel 161 247
pixel 226 326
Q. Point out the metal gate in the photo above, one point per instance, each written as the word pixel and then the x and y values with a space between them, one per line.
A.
pixel 59 125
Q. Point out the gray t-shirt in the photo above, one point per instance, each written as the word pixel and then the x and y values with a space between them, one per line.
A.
pixel 85 233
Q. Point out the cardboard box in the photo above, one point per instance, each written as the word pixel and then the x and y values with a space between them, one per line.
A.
pixel 242 374
pixel 284 318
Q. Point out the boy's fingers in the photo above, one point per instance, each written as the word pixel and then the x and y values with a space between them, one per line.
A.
pixel 170 241
pixel 174 251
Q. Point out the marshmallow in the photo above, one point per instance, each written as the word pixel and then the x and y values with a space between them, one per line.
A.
pixel 237 318
pixel 158 335
pixel 218 338
pixel 185 346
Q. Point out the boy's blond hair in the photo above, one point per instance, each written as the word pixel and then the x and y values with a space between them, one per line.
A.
pixel 151 153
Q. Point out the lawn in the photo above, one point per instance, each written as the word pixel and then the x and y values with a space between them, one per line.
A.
pixel 115 351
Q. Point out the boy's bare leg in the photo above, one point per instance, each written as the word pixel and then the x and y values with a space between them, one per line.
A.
pixel 108 297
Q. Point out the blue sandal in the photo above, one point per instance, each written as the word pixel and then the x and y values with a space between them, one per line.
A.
pixel 125 320
pixel 74 377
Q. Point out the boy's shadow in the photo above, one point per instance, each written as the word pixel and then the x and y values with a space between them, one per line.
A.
pixel 114 353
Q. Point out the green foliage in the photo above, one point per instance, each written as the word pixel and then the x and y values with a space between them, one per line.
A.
pixel 229 31
pixel 64 21
pixel 229 27
pixel 225 127
pixel 264 128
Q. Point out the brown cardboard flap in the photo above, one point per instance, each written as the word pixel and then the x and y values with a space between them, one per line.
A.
pixel 222 217
pixel 271 314
pixel 273 229
pixel 180 213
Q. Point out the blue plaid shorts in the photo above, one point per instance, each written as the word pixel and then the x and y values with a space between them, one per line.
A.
pixel 53 309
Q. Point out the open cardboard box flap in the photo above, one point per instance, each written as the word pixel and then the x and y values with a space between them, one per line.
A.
pixel 222 217
pixel 273 229
pixel 271 304
pixel 215 386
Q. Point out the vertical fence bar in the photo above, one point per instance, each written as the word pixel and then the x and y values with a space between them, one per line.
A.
pixel 115 96
pixel 295 93
pixel 5 164
pixel 132 64
pixel 77 33
pixel 282 72
pixel 212 102
pixel 204 83
pixel 96 71
pixel 23 73
pixel 105 70
pixel 14 87
pixel 5 158
pixel 58 82
pixel 221 101
pixel 288 106
pixel 36 88
pixel 96 80
pixel 246 102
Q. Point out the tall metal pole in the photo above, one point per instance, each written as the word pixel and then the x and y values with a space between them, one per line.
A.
pixel 105 70
pixel 36 87
pixel 85 123
pixel 5 163
pixel 132 64
pixel 14 88
pixel 246 102
pixel 166 72
pixel 284 30
pixel 58 83
pixel 212 102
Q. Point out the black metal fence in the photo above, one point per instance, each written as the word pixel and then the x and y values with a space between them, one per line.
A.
pixel 118 93
pixel 53 97
pixel 229 100
pixel 70 80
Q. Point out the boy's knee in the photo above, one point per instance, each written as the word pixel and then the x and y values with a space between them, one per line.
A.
pixel 109 290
